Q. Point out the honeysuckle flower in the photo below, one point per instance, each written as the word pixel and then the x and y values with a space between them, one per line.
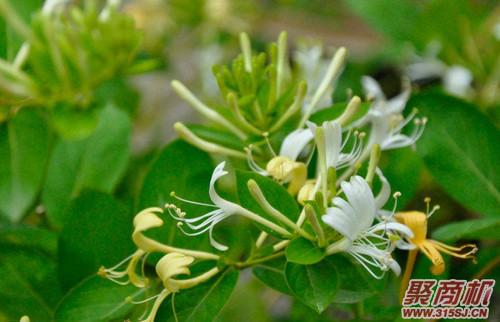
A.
pixel 386 118
pixel 284 167
pixel 432 249
pixel 353 218
pixel 456 79
pixel 169 267
pixel 145 220
pixel 334 145
pixel 223 209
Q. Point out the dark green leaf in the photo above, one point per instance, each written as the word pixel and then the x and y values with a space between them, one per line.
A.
pixel 355 283
pixel 29 237
pixel 275 194
pixel 24 149
pixel 469 229
pixel 315 285
pixel 200 303
pixel 97 300
pixel 403 168
pixel 272 273
pixel 304 252
pixel 459 146
pixel 97 162
pixel 97 232
pixel 28 286
pixel 186 170
pixel 405 15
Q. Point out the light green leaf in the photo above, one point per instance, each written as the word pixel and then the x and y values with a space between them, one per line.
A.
pixel 272 273
pixel 200 303
pixel 275 194
pixel 483 229
pixel 24 150
pixel 28 284
pixel 97 162
pixel 304 252
pixel 97 233
pixel 186 170
pixel 98 300
pixel 459 146
pixel 315 285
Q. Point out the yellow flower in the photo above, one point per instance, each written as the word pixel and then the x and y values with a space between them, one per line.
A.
pixel 417 222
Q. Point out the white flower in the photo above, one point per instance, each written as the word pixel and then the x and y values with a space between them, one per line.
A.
pixel 386 118
pixel 457 81
pixel 207 222
pixel 333 145
pixel 353 218
pixel 224 209
pixel 284 167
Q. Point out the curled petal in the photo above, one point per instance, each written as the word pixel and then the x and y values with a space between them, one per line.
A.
pixel 171 265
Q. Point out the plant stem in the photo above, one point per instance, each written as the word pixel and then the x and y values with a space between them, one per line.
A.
pixel 410 263
pixel 249 263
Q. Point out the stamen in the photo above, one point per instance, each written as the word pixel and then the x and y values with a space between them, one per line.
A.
pixel 396 195
pixel 270 147
pixel 252 164
pixel 427 201
pixel 172 194
pixel 434 209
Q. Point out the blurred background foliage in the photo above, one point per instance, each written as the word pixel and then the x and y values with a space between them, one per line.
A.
pixel 86 109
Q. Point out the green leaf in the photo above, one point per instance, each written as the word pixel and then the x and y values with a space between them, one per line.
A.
pixel 403 168
pixel 97 299
pixel 459 148
pixel 304 252
pixel 272 273
pixel 97 162
pixel 483 229
pixel 275 194
pixel 355 283
pixel 29 238
pixel 28 286
pixel 24 150
pixel 95 217
pixel 405 15
pixel 315 285
pixel 200 303
pixel 186 170
pixel 72 123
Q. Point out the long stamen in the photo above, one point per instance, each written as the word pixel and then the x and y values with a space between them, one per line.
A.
pixel 174 195
pixel 471 249
pixel 252 164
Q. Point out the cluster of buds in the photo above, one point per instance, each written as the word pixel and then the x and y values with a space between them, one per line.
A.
pixel 67 53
